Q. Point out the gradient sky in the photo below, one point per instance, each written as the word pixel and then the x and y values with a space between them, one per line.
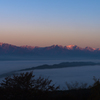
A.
pixel 48 22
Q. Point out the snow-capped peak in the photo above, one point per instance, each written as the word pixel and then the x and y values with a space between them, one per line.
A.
pixel 70 46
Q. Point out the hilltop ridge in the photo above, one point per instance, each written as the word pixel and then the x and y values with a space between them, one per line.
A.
pixel 49 51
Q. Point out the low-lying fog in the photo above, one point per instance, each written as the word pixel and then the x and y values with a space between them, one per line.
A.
pixel 59 76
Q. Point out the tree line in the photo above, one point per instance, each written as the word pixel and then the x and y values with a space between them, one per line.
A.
pixel 25 86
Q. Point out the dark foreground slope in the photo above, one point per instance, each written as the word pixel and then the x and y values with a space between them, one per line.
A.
pixel 25 87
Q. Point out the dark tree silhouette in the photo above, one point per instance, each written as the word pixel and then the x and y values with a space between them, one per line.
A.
pixel 25 87
pixel 95 89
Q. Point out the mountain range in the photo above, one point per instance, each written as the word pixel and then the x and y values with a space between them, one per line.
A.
pixel 50 51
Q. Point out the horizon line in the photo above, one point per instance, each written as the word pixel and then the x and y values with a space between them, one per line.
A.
pixel 48 45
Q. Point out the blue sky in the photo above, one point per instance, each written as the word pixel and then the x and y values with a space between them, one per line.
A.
pixel 48 22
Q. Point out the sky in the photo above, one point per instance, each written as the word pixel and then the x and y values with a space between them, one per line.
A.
pixel 50 22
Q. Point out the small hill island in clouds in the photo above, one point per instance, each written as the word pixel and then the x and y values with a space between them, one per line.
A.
pixel 10 52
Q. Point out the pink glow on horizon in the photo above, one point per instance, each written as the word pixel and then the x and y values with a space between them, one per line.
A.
pixel 69 47
pixel 1 43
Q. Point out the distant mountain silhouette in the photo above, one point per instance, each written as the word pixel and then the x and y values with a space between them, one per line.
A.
pixel 50 51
